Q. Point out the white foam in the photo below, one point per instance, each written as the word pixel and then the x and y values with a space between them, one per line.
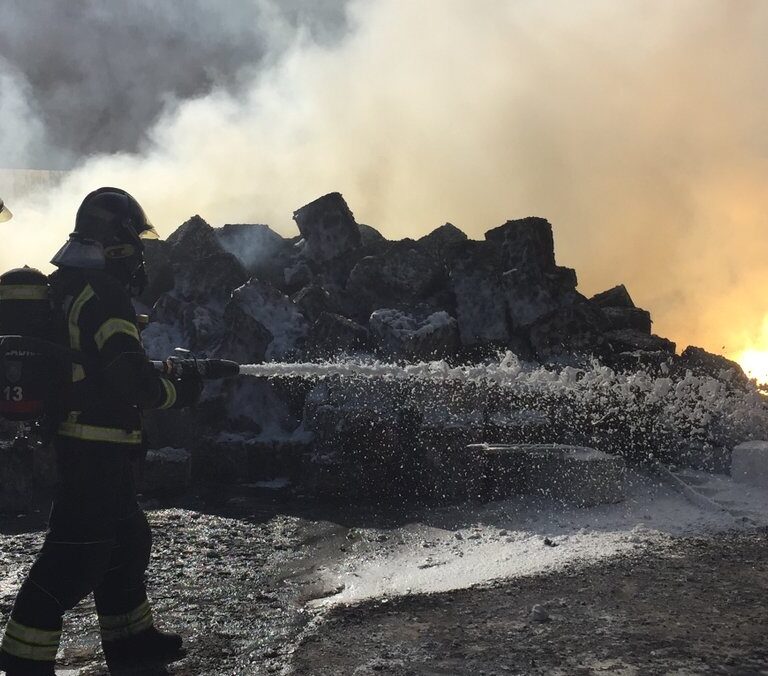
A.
pixel 628 411
pixel 506 539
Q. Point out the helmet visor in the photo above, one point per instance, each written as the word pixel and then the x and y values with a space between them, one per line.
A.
pixel 5 214
pixel 149 232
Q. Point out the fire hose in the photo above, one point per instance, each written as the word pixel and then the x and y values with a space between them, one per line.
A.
pixel 183 363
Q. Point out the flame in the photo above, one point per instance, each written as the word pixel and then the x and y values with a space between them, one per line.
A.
pixel 755 364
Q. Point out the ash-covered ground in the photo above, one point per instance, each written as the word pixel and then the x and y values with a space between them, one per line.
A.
pixel 272 584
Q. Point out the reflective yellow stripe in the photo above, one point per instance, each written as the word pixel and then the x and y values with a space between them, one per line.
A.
pixel 30 644
pixel 121 626
pixel 112 327
pixel 170 393
pixel 78 373
pixel 24 292
pixel 94 433
pixel 74 316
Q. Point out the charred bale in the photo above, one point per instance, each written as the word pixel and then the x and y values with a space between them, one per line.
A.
pixel 475 279
pixel 701 362
pixel 437 242
pixel 528 296
pixel 533 285
pixel 618 296
pixel 399 334
pixel 332 334
pixel 245 339
pixel 275 312
pixel 296 275
pixel 209 280
pixel 193 240
pixel 633 318
pixel 179 323
pixel 402 277
pixel 631 340
pixel 327 227
pixel 568 330
pixel 313 300
pixel 525 243
pixel 371 239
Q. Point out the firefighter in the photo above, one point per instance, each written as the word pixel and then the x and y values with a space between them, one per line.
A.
pixel 5 214
pixel 98 539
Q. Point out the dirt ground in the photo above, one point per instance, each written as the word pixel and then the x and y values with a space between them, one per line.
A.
pixel 698 606
pixel 231 581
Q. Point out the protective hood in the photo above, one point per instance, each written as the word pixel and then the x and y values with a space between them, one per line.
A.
pixel 82 253
pixel 5 214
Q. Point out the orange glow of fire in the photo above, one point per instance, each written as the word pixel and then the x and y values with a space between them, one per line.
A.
pixel 755 364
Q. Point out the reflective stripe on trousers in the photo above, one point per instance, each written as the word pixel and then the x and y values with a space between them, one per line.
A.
pixel 114 627
pixel 30 644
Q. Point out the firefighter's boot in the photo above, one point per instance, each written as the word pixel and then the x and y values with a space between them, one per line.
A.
pixel 148 646
pixel 18 666
pixel 29 651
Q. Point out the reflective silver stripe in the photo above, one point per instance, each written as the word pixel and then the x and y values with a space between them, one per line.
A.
pixel 24 292
pixel 112 327
pixel 94 433
pixel 121 626
pixel 170 393
pixel 30 644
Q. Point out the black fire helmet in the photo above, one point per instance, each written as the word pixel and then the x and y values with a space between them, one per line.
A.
pixel 109 226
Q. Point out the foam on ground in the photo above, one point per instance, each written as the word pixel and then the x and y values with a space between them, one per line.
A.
pixel 458 548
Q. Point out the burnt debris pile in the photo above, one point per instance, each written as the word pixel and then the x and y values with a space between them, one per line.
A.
pixel 382 364
pixel 531 359
pixel 245 292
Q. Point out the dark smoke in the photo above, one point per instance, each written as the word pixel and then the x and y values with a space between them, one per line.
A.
pixel 97 76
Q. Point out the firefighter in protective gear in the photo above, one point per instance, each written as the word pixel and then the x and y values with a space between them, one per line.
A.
pixel 5 214
pixel 98 539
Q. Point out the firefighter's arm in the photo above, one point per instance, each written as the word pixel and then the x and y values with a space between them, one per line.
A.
pixel 136 381
pixel 125 367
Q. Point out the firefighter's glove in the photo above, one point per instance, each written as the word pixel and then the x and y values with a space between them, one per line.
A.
pixel 189 387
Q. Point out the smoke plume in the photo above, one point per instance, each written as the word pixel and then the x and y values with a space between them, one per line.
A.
pixel 636 128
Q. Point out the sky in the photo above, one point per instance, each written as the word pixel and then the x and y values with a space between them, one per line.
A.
pixel 636 128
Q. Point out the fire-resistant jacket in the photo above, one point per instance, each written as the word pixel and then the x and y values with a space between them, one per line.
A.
pixel 117 380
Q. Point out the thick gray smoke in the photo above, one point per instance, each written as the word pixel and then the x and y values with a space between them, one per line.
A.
pixel 636 127
pixel 95 77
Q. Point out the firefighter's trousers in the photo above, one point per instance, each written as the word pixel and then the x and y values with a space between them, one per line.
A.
pixel 98 541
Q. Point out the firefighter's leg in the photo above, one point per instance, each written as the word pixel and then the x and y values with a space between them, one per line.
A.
pixel 125 616
pixel 63 574
pixel 121 598
pixel 72 562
